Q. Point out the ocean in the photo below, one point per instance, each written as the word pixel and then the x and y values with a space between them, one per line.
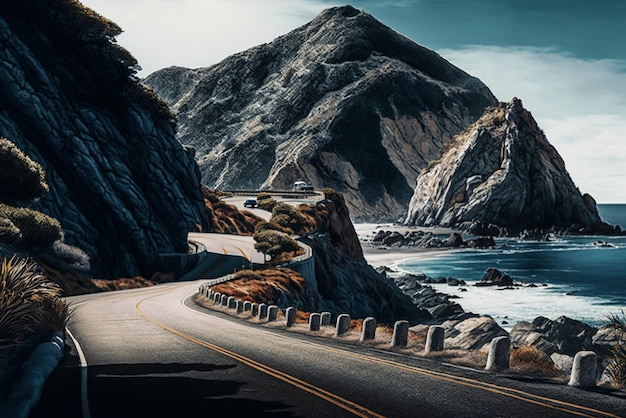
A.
pixel 583 278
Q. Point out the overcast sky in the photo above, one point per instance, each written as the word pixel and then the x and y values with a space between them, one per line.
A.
pixel 565 59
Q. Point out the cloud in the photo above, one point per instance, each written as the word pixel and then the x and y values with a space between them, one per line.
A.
pixel 580 105
pixel 199 33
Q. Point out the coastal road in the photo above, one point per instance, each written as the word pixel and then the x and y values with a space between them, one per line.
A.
pixel 153 352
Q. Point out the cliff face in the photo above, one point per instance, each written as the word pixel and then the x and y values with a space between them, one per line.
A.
pixel 343 102
pixel 121 185
pixel 502 171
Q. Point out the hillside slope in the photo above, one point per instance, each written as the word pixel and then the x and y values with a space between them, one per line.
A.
pixel 343 102
pixel 123 188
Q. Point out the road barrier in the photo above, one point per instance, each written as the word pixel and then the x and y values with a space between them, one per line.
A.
pixel 583 373
pixel 435 339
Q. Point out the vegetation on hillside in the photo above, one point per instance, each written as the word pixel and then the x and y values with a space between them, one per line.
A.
pixel 31 307
pixel 23 179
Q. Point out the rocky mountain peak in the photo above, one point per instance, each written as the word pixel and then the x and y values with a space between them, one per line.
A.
pixel 501 171
pixel 343 102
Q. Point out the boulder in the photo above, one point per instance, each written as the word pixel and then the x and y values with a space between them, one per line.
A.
pixel 494 277
pixel 472 333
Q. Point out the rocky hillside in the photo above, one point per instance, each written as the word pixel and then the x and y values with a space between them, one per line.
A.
pixel 502 171
pixel 122 187
pixel 342 102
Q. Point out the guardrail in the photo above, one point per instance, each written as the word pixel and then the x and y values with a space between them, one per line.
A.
pixel 583 372
pixel 282 193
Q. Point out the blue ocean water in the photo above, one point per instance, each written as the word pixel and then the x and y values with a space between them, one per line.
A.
pixel 583 277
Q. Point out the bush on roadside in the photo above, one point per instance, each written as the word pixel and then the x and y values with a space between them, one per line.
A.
pixel 31 308
pixel 528 360
pixel 616 369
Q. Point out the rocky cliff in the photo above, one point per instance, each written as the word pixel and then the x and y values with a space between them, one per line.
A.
pixel 121 185
pixel 502 171
pixel 342 102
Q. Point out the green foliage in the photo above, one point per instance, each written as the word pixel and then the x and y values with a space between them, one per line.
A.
pixel 8 231
pixel 266 204
pixel 30 304
pixel 617 365
pixel 20 177
pixel 275 244
pixel 289 217
pixel 36 228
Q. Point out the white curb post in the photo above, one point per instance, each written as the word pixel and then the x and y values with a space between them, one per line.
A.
pixel 290 317
pixel 272 313
pixel 224 300
pixel 314 321
pixel 231 302
pixel 325 319
pixel 239 306
pixel 343 324
pixel 584 370
pixel 262 311
pixel 254 309
pixel 434 339
pixel 369 329
pixel 400 337
pixel 247 305
pixel 499 354
pixel 217 297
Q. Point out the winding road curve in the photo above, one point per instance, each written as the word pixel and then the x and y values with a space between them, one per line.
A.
pixel 154 352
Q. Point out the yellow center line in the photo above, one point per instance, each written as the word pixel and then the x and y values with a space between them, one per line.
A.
pixel 345 404
pixel 539 400
pixel 502 390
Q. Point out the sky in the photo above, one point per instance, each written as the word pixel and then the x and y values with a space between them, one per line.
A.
pixel 565 59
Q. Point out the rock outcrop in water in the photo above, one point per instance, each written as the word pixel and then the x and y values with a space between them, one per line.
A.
pixel 342 102
pixel 503 174
pixel 123 188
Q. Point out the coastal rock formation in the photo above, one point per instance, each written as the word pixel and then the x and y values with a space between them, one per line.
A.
pixel 123 188
pixel 502 172
pixel 342 102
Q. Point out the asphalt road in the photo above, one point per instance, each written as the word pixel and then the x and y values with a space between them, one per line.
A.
pixel 152 352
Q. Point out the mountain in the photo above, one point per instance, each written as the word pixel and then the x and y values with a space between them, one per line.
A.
pixel 124 190
pixel 503 172
pixel 343 102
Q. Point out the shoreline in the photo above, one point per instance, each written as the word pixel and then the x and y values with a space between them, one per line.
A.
pixel 378 256
pixel 507 306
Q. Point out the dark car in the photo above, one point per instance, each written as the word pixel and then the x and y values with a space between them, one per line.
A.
pixel 249 203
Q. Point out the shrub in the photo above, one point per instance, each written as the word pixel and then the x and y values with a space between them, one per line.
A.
pixel 20 177
pixel 288 217
pixel 616 369
pixel 527 359
pixel 279 246
pixel 30 304
pixel 64 257
pixel 266 204
pixel 36 228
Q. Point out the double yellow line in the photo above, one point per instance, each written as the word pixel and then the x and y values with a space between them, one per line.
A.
pixel 361 411
pixel 350 406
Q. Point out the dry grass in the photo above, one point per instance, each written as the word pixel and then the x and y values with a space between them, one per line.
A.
pixel 30 304
pixel 527 360
pixel 617 364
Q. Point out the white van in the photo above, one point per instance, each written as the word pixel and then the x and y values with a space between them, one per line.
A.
pixel 302 186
